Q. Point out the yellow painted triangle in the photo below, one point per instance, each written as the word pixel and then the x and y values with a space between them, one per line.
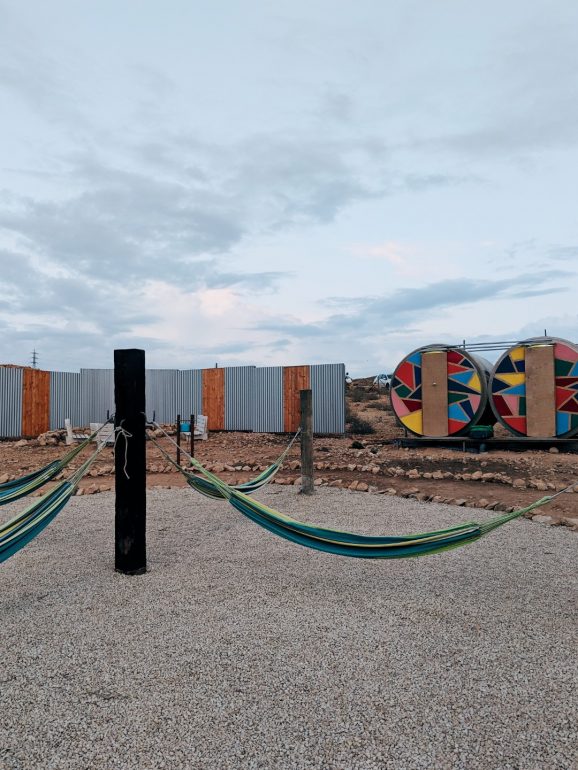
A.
pixel 512 379
pixel 475 383
pixel 517 354
pixel 414 421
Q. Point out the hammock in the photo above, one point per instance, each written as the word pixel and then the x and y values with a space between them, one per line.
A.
pixel 25 485
pixel 22 528
pixel 360 546
pixel 209 489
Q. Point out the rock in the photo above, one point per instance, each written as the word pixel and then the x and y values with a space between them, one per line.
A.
pixel 553 451
pixel 245 468
pixel 482 502
pixel 519 483
pixel 351 467
pixel 375 470
pixel 413 474
pixel 437 475
pixel 22 442
pixel 362 486
pixel 4 478
pixel 297 482
pixel 477 476
pixel 460 501
pixel 391 491
pixel 427 475
pixel 570 522
pixel 353 485
pixel 543 519
pixel 336 483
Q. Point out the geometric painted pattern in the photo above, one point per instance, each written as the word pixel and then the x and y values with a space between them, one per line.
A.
pixel 464 392
pixel 509 389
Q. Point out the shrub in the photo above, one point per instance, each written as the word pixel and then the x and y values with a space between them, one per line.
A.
pixel 358 394
pixel 359 426
pixel 378 405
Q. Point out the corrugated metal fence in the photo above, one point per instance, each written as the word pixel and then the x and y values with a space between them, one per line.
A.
pixel 11 382
pixel 244 398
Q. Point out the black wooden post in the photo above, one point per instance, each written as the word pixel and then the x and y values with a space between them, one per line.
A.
pixel 307 486
pixel 130 462
pixel 178 439
pixel 192 427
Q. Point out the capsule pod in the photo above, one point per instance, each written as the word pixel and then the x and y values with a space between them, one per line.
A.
pixel 439 391
pixel 534 388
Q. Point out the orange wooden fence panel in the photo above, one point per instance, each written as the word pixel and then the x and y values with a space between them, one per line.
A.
pixel 35 402
pixel 295 378
pixel 214 398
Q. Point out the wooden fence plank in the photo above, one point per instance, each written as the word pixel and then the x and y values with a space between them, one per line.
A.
pixel 295 379
pixel 214 398
pixel 35 402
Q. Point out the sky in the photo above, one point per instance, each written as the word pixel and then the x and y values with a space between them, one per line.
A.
pixel 278 183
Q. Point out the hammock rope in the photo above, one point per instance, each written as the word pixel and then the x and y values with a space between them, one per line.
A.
pixel 11 491
pixel 351 544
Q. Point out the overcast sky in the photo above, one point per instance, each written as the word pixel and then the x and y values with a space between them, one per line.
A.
pixel 285 182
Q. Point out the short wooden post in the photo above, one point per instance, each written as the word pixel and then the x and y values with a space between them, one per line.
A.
pixel 192 427
pixel 307 486
pixel 178 439
pixel 130 462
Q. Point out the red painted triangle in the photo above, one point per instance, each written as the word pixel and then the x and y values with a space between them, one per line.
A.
pixel 517 423
pixel 405 374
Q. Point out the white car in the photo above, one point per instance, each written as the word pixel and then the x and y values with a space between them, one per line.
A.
pixel 382 382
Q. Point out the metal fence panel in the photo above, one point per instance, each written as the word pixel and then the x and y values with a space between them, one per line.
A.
pixel 161 394
pixel 239 397
pixel 268 400
pixel 328 386
pixel 190 392
pixel 11 402
pixel 65 399
pixel 97 394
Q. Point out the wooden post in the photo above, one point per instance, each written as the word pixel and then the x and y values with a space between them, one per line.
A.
pixel 306 397
pixel 178 439
pixel 130 462
pixel 192 427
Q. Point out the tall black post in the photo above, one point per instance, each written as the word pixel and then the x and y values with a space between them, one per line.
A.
pixel 130 462
pixel 178 439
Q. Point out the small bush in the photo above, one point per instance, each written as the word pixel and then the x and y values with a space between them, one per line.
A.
pixel 358 395
pixel 360 427
pixel 378 405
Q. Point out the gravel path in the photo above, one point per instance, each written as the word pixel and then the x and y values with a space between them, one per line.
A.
pixel 240 650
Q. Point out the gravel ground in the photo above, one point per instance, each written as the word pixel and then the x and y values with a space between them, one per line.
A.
pixel 240 650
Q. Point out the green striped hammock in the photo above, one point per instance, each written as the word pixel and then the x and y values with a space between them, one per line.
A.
pixel 344 543
pixel 22 528
pixel 25 485
pixel 207 488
